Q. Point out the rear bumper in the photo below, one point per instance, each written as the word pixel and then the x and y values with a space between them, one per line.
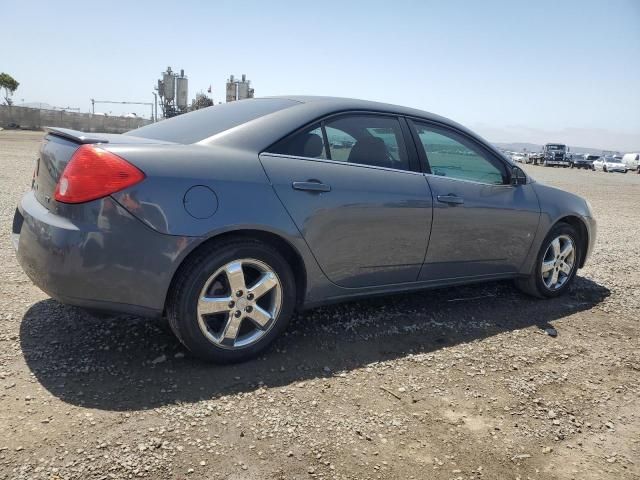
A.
pixel 98 257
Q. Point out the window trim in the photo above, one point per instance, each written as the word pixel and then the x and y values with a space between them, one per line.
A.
pixel 424 160
pixel 412 153
pixel 338 162
pixel 325 140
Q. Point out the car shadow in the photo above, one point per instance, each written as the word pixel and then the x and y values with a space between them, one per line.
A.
pixel 127 363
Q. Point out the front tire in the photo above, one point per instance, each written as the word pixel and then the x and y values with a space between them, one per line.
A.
pixel 556 263
pixel 231 300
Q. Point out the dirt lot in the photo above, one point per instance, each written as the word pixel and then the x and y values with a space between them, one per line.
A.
pixel 462 383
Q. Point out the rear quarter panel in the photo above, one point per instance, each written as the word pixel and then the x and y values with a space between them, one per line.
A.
pixel 245 198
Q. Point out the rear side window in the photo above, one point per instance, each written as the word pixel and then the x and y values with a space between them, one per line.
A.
pixel 196 126
pixel 367 140
pixel 308 143
pixel 360 139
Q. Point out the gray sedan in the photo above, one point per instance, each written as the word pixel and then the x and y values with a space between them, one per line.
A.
pixel 230 218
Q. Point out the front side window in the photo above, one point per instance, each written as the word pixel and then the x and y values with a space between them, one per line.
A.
pixel 450 155
pixel 359 139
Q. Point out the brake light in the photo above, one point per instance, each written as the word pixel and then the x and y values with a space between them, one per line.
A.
pixel 95 173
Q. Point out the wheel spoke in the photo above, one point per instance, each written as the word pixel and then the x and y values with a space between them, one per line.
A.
pixel 556 247
pixel 263 285
pixel 554 278
pixel 208 305
pixel 241 321
pixel 547 266
pixel 231 329
pixel 235 275
pixel 260 317
pixel 568 248
pixel 565 268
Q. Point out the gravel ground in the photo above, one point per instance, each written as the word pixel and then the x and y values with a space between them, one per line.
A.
pixel 461 383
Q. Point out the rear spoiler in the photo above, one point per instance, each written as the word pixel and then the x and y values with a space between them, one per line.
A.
pixel 76 135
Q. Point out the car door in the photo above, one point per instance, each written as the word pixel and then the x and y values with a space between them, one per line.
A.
pixel 482 224
pixel 351 185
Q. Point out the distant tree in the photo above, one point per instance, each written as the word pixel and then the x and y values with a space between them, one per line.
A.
pixel 10 85
pixel 201 101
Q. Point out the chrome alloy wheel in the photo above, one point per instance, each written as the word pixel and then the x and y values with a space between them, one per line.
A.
pixel 558 262
pixel 239 303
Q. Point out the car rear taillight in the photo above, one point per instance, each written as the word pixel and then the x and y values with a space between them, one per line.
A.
pixel 95 173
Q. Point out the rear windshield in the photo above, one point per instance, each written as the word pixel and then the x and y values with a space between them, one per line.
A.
pixel 196 126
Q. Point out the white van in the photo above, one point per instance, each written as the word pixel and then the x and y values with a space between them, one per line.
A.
pixel 632 161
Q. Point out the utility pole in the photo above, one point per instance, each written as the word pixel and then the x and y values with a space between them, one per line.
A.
pixel 155 115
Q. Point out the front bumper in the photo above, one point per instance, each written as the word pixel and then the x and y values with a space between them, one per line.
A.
pixel 592 232
pixel 99 256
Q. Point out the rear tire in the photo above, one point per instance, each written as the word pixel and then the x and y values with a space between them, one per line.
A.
pixel 218 311
pixel 556 260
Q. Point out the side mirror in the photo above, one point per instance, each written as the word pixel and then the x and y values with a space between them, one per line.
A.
pixel 518 176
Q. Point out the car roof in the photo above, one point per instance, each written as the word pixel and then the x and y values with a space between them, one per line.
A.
pixel 345 103
pixel 264 131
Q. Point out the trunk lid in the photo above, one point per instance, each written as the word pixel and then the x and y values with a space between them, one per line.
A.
pixel 57 148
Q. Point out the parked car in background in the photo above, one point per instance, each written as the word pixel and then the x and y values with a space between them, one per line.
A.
pixel 228 219
pixel 610 163
pixel 632 161
pixel 518 157
pixel 535 158
pixel 583 161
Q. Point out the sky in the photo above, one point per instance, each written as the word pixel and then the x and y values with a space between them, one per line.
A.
pixel 513 71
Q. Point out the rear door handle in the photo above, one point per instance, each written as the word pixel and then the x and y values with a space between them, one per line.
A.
pixel 311 186
pixel 451 199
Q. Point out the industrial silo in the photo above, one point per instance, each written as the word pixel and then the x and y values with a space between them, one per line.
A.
pixel 231 89
pixel 243 90
pixel 169 81
pixel 182 91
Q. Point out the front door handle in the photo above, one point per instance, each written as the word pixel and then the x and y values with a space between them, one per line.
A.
pixel 451 199
pixel 311 186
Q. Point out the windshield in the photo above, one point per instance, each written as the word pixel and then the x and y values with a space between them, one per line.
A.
pixel 196 126
pixel 556 147
pixel 614 160
pixel 592 157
